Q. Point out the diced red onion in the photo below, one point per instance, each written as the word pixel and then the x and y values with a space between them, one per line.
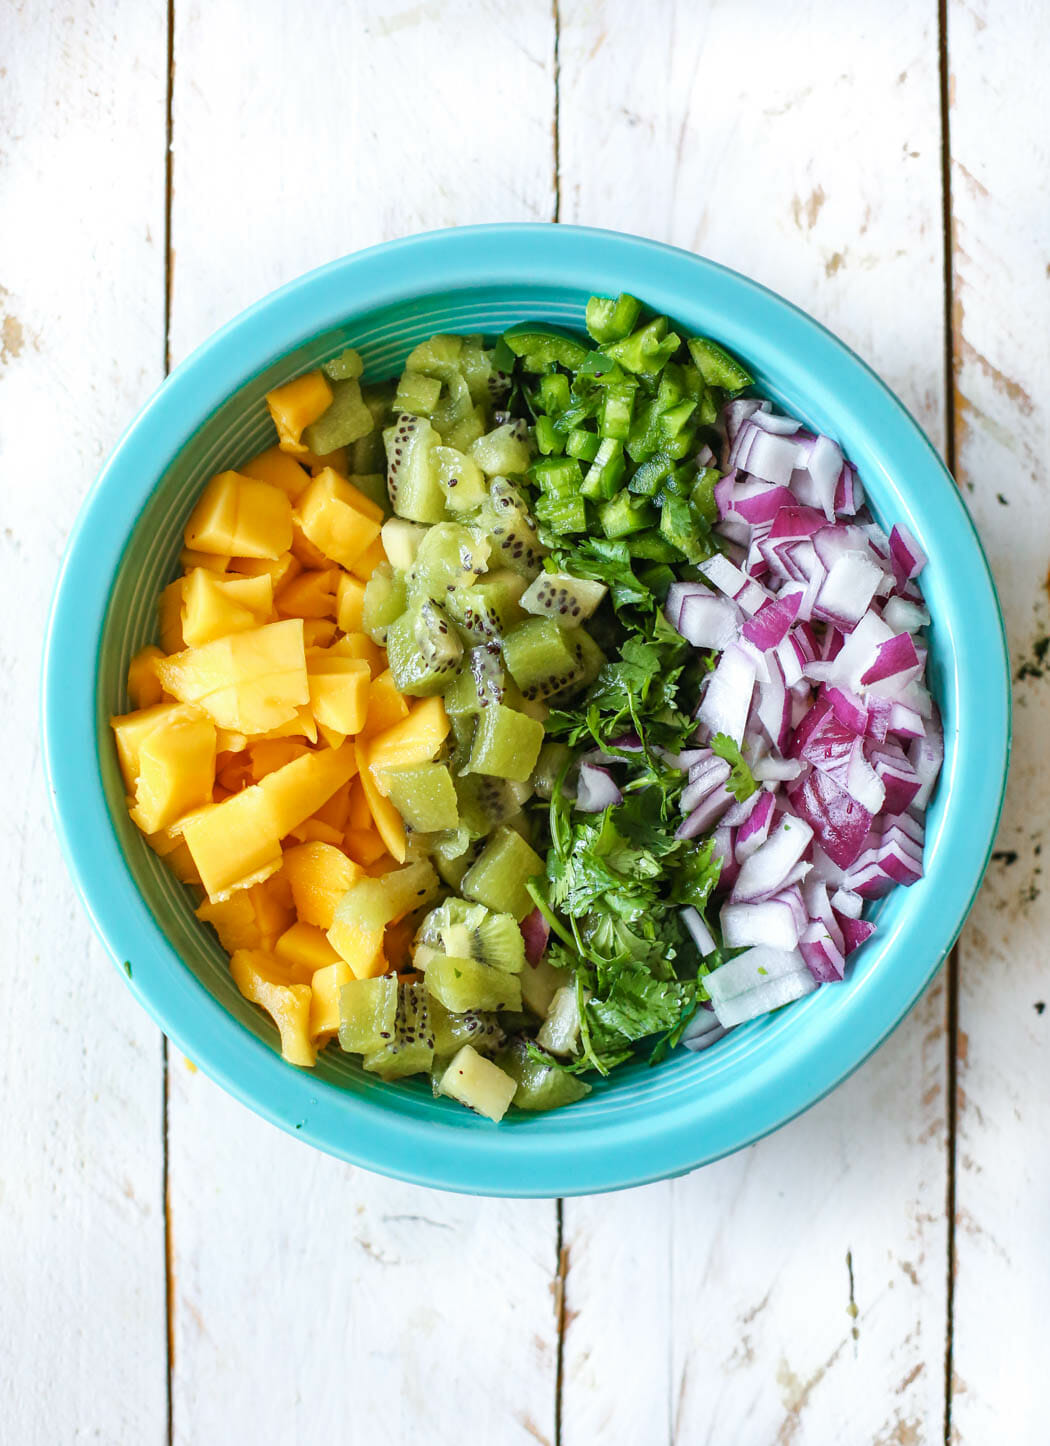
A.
pixel 535 931
pixel 596 789
pixel 727 699
pixel 706 813
pixel 766 870
pixel 906 555
pixel 699 932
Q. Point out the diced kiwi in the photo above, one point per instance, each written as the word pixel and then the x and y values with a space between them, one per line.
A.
pixel 461 480
pixel 560 1030
pixel 449 556
pixel 437 357
pixel 371 904
pixel 401 542
pixel 417 394
pixel 540 1086
pixel 455 407
pixel 347 364
pixel 498 878
pixel 476 1082
pixel 475 363
pixel 476 1027
pixel 552 759
pixel 367 1011
pixel 486 802
pixel 568 600
pixel 589 658
pixel 541 657
pixel 411 476
pixel 346 420
pixel 531 707
pixel 539 984
pixel 411 1049
pixel 423 649
pixel 489 608
pixel 503 451
pixel 384 602
pixel 513 531
pixel 481 934
pixel 464 434
pixel 506 744
pixel 461 984
pixel 453 865
pixel 424 796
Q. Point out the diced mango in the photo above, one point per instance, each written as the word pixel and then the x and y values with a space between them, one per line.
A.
pixel 180 862
pixel 385 816
pixel 312 594
pixel 144 688
pixel 279 570
pixel 350 601
pixel 213 606
pixel 319 875
pixel 364 844
pixel 304 550
pixel 398 944
pixel 331 519
pixel 361 948
pixel 304 949
pixel 235 843
pixel 280 470
pixel 300 725
pixel 169 610
pixel 298 790
pixel 312 830
pixel 416 739
pixel 339 692
pixel 130 730
pixel 269 754
pixel 324 1003
pixel 369 560
pixel 229 741
pixel 358 814
pixel 259 977
pixel 242 517
pixel 249 919
pixel 318 632
pixel 317 462
pixel 251 681
pixel 336 811
pixel 189 558
pixel 386 706
pixel 176 772
pixel 331 736
pixel 360 645
pixel 297 404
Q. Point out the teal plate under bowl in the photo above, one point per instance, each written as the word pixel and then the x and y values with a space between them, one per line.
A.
pixel 645 1123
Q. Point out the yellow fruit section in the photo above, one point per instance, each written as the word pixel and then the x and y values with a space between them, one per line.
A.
pixel 295 405
pixel 319 875
pixel 234 843
pixel 299 789
pixel 260 978
pixel 280 470
pixel 416 739
pixel 304 949
pixel 324 1002
pixel 144 688
pixel 350 601
pixel 361 948
pixel 338 691
pixel 252 681
pixel 331 518
pixel 387 820
pixel 176 772
pixel 242 517
pixel 386 706
pixel 214 606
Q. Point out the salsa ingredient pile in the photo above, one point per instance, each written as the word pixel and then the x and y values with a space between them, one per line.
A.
pixel 555 698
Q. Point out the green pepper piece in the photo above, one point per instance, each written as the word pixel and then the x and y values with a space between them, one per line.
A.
pixel 654 547
pixel 710 403
pixel 648 350
pixel 716 366
pixel 609 319
pixel 541 348
pixel 599 367
pixel 554 393
pixel 672 422
pixel 562 514
pixel 557 474
pixel 703 495
pixel 614 419
pixel 548 439
pixel 625 514
pixel 582 444
pixel 606 472
pixel 651 475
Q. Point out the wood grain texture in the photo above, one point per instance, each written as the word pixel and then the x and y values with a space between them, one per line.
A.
pixel 82 1327
pixel 311 1299
pixel 1000 155
pixel 817 171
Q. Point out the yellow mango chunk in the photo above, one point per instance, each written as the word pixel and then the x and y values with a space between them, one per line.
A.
pixel 169 609
pixel 269 754
pixel 331 736
pixel 144 688
pixel 361 948
pixel 242 517
pixel 319 875
pixel 234 843
pixel 358 813
pixel 304 550
pixel 324 1003
pixel 331 520
pixel 213 606
pixel 364 845
pixel 251 682
pixel 360 645
pixel 227 741
pixel 298 790
pixel 280 470
pixel 385 816
pixel 318 632
pixel 336 811
pixel 311 594
pixel 416 739
pixel 318 461
pixel 312 830
pixel 339 692
pixel 190 558
pixel 259 978
pixel 304 949
pixel 369 560
pixel 130 730
pixel 278 569
pixel 350 601
pixel 250 919
pixel 300 725
pixel 176 772
pixel 297 404
pixel 386 706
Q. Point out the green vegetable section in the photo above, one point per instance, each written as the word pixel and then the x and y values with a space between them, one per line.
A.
pixel 547 490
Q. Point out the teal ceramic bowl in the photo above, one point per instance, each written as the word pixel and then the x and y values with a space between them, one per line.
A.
pixel 645 1123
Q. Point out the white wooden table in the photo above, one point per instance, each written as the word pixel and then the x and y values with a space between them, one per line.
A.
pixel 174 1269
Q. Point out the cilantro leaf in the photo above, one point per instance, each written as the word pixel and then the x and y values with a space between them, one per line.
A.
pixel 741 782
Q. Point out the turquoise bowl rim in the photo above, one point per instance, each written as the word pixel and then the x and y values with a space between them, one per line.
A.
pixel 792 1060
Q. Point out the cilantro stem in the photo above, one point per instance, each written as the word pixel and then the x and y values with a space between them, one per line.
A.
pixel 557 927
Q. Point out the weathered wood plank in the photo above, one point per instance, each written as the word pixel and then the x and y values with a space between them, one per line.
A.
pixel 719 1308
pixel 1000 158
pixel 82 1328
pixel 310 1298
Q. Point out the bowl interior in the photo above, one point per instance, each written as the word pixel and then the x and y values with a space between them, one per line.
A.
pixel 238 429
